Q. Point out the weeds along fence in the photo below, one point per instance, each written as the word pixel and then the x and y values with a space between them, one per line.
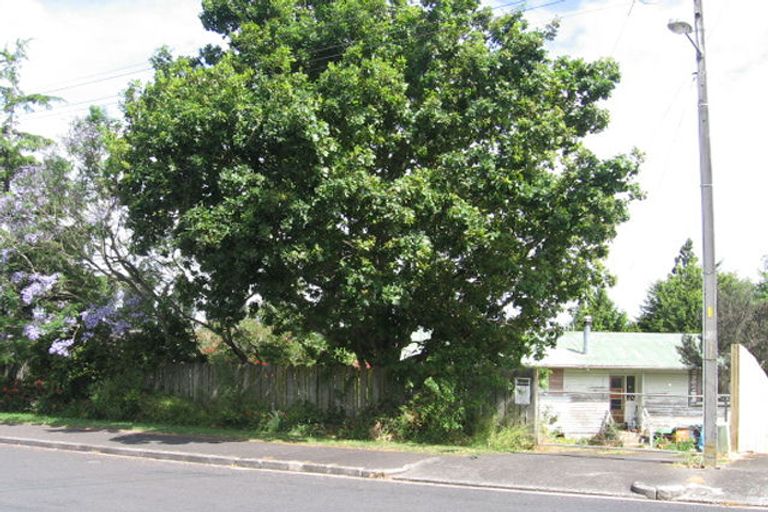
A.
pixel 340 388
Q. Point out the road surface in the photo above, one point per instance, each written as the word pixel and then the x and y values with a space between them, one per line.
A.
pixel 40 480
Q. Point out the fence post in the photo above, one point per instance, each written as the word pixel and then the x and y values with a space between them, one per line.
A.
pixel 735 409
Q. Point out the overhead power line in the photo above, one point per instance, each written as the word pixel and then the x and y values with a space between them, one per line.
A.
pixel 85 79
pixel 128 70
pixel 104 79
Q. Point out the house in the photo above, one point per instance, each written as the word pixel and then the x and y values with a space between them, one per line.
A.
pixel 635 380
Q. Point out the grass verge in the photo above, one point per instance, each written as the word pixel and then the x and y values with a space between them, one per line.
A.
pixel 233 434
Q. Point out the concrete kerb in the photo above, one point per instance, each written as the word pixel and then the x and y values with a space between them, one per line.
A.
pixel 660 492
pixel 516 487
pixel 215 460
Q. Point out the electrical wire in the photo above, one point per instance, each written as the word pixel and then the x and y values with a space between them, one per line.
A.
pixel 104 79
pixel 77 81
pixel 623 28
pixel 111 75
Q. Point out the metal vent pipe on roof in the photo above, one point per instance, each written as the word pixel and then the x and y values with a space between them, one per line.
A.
pixel 587 330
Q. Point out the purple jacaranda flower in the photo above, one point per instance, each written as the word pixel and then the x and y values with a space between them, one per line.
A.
pixel 39 285
pixel 5 255
pixel 32 291
pixel 120 327
pixel 18 277
pixel 46 280
pixel 61 347
pixel 33 332
pixel 32 238
pixel 40 314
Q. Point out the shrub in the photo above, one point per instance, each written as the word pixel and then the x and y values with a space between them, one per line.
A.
pixel 608 436
pixel 233 408
pixel 116 398
pixel 511 439
pixel 434 414
pixel 172 410
pixel 17 396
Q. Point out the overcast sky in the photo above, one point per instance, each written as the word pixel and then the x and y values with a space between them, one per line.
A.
pixel 86 51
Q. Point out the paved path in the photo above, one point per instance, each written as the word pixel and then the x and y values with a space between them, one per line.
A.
pixel 743 482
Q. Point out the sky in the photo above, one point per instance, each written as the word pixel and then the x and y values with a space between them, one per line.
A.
pixel 87 51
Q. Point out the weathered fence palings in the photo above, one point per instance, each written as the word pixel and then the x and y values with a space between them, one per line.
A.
pixel 348 389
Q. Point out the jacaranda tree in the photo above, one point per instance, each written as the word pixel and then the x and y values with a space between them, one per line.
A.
pixel 72 297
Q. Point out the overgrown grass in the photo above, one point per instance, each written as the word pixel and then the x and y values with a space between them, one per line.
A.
pixel 499 443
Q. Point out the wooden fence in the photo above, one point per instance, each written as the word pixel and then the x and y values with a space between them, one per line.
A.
pixel 327 388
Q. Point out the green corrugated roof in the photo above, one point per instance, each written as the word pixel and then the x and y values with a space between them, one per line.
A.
pixel 657 351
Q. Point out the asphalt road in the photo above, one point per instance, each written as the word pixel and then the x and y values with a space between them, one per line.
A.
pixel 33 479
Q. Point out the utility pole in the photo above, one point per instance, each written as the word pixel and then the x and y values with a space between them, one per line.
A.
pixel 709 310
pixel 708 231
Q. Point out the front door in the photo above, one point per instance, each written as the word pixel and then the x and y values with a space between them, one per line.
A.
pixel 617 398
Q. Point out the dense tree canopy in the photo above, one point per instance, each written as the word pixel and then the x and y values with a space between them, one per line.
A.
pixel 674 304
pixel 366 168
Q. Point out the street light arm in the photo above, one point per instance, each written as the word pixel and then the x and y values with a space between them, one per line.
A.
pixel 695 46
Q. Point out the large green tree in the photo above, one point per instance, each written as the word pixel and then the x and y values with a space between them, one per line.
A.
pixel 742 317
pixel 674 304
pixel 366 168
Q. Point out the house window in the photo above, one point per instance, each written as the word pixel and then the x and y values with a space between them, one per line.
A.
pixel 556 379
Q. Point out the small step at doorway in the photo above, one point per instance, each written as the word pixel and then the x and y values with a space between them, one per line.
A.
pixel 630 439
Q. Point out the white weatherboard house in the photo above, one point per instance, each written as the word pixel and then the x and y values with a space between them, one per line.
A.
pixel 637 380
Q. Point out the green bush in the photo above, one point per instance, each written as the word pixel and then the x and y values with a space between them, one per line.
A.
pixel 511 439
pixel 116 398
pixel 306 419
pixel 435 414
pixel 172 410
pixel 234 409
pixel 608 436
pixel 375 422
pixel 17 396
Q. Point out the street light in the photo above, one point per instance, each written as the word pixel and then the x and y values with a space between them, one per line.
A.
pixel 680 27
pixel 709 333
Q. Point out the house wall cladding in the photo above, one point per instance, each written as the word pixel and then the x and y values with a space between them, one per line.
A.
pixel 342 388
pixel 574 415
pixel 582 405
